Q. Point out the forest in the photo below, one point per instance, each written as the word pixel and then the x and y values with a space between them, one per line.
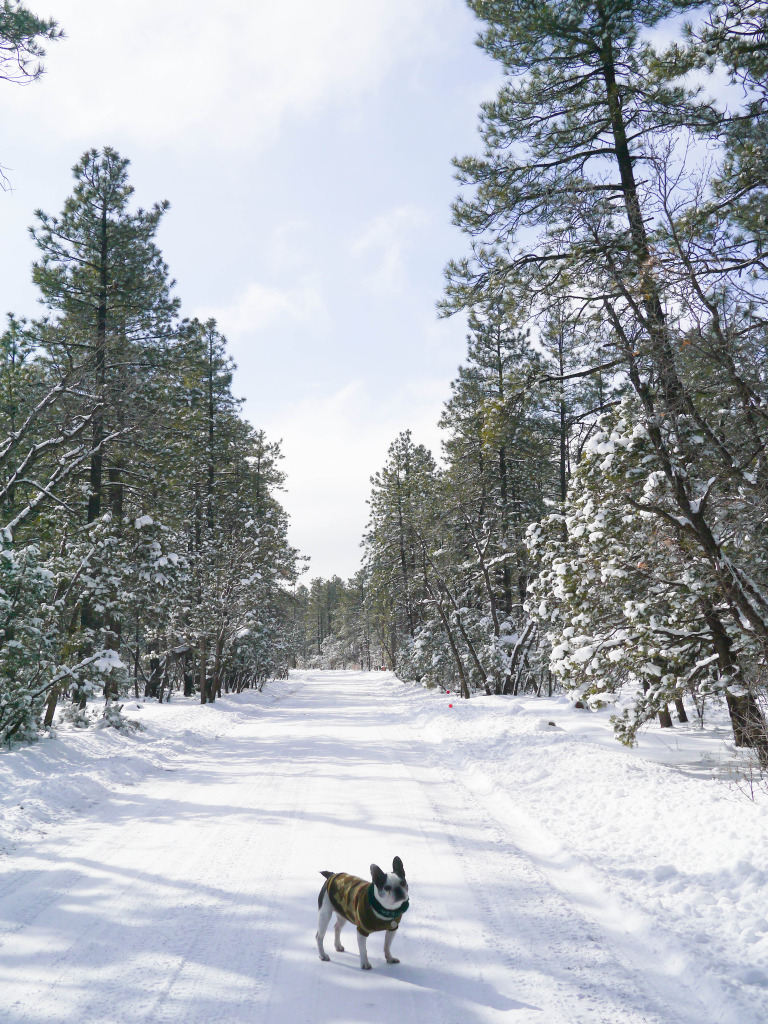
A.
pixel 144 546
pixel 596 521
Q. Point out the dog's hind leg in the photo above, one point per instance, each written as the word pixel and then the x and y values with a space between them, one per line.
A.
pixel 388 946
pixel 362 945
pixel 340 922
pixel 324 916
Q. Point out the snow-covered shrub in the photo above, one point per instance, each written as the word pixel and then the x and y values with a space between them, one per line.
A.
pixel 113 718
pixel 28 640
pixel 620 595
pixel 427 658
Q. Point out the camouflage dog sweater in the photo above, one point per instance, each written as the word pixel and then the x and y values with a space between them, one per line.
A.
pixel 355 899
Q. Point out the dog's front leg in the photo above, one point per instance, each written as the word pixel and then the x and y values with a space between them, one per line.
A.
pixel 362 945
pixel 388 946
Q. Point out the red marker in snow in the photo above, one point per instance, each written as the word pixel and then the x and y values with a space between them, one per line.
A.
pixel 450 705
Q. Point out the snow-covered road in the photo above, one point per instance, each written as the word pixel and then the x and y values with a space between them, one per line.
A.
pixel 190 897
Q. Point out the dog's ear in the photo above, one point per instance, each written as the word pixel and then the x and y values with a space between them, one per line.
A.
pixel 378 876
pixel 397 867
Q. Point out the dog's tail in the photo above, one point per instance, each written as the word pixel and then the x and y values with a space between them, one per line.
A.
pixel 327 875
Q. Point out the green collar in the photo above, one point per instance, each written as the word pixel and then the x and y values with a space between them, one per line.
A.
pixel 384 912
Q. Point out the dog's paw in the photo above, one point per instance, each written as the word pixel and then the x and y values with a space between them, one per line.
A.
pixel 339 949
pixel 392 960
pixel 324 956
pixel 365 967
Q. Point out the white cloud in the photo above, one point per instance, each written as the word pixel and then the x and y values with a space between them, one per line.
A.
pixel 261 306
pixel 387 238
pixel 180 71
pixel 332 446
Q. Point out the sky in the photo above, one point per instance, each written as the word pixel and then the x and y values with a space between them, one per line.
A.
pixel 306 149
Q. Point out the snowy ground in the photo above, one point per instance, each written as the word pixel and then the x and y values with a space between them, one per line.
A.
pixel 555 877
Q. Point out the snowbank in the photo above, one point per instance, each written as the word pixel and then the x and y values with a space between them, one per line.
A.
pixel 73 770
pixel 658 827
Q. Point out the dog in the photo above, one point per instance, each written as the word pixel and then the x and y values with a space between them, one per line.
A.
pixel 375 906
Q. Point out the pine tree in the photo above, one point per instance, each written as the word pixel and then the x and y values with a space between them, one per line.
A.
pixel 626 603
pixel 103 278
pixel 22 38
pixel 581 185
pixel 106 286
pixel 399 501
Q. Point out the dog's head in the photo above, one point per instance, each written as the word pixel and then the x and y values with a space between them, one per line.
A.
pixel 391 888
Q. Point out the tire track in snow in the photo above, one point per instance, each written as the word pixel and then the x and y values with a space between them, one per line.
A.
pixel 560 939
pixel 264 864
pixel 100 860
pixel 627 937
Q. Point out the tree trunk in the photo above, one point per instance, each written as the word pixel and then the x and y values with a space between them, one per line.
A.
pixel 50 707
pixel 152 686
pixel 217 671
pixel 211 482
pixel 464 685
pixel 665 719
pixel 136 663
pixel 203 672
pixel 95 478
pixel 747 721
pixel 506 570
pixel 741 593
pixel 563 417
pixel 516 654
pixel 165 682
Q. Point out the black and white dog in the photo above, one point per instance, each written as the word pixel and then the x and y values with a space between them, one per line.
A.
pixel 375 906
